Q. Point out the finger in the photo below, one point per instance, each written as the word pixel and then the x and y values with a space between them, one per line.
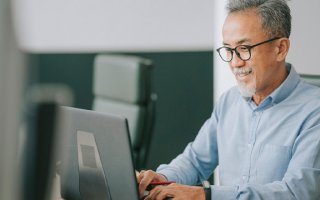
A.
pixel 153 193
pixel 145 178
pixel 139 175
pixel 161 192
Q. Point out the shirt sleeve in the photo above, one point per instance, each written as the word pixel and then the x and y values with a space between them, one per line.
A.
pixel 198 160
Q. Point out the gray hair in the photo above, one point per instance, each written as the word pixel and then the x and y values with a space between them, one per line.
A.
pixel 275 14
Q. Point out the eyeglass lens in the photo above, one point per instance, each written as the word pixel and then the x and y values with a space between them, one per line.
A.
pixel 242 52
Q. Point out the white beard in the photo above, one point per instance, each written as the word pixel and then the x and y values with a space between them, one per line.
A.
pixel 245 90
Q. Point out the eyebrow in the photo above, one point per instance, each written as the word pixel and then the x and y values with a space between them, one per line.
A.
pixel 238 43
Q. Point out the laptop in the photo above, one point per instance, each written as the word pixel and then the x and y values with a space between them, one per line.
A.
pixel 96 157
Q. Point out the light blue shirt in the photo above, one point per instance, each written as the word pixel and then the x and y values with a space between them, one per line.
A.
pixel 270 151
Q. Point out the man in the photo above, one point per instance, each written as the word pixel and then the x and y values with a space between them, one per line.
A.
pixel 265 133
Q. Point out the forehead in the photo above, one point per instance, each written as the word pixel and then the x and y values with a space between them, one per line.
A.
pixel 243 26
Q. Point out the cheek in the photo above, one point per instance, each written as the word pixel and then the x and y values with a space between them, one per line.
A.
pixel 261 64
pixel 257 74
pixel 262 76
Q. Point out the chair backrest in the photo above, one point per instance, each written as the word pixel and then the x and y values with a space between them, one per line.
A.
pixel 312 79
pixel 123 86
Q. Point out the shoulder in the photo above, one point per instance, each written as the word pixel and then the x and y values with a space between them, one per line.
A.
pixel 307 99
pixel 306 92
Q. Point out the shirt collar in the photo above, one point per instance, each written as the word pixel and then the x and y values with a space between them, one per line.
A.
pixel 287 87
pixel 282 92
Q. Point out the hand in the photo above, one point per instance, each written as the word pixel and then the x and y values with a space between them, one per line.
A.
pixel 176 192
pixel 144 178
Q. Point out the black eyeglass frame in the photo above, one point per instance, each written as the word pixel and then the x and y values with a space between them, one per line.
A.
pixel 249 47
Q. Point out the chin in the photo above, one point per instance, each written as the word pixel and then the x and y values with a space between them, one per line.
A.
pixel 246 91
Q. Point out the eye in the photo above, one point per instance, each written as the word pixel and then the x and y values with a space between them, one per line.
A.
pixel 242 48
pixel 227 49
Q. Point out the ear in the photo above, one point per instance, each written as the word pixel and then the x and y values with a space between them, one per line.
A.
pixel 282 49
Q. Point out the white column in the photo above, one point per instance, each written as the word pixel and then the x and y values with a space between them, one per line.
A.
pixel 11 82
pixel 223 78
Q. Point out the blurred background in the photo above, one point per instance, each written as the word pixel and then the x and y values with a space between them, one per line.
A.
pixel 57 41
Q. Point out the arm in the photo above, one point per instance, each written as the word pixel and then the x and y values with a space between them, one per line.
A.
pixel 198 160
pixel 191 167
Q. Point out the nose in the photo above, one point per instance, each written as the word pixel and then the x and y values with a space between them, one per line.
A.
pixel 236 61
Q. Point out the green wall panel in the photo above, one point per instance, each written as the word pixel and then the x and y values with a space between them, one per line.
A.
pixel 182 80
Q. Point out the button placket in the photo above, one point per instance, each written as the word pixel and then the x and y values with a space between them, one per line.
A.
pixel 251 142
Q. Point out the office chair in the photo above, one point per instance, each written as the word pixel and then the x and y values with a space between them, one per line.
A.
pixel 122 85
pixel 312 79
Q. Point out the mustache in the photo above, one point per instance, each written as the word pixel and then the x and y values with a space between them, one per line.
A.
pixel 242 71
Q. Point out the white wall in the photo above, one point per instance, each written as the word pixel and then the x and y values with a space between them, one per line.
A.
pixel 223 78
pixel 305 38
pixel 113 25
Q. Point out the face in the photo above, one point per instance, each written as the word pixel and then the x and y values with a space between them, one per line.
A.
pixel 259 75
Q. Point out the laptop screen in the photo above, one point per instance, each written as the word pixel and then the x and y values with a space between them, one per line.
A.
pixel 96 157
pixel 92 182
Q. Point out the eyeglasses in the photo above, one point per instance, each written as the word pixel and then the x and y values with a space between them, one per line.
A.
pixel 242 51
